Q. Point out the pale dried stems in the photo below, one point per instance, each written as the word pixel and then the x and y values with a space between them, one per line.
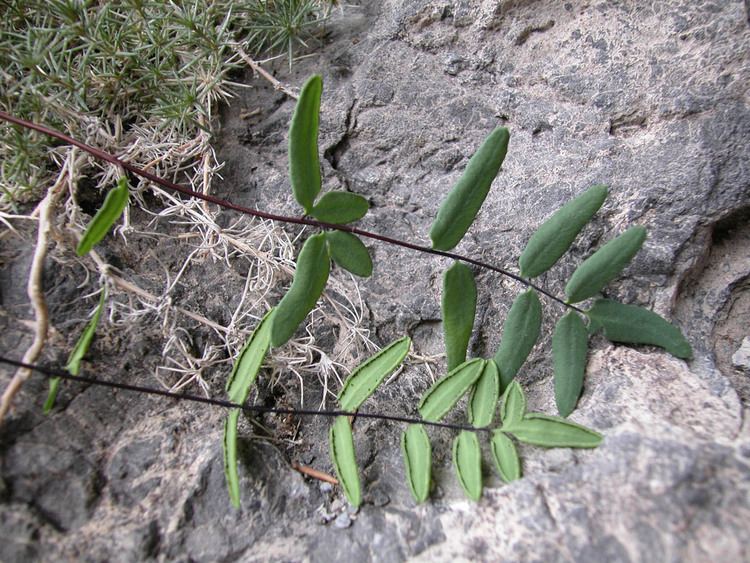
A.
pixel 175 142
pixel 268 254
pixel 264 248
pixel 34 287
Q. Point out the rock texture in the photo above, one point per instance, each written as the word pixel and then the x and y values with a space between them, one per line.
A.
pixel 648 98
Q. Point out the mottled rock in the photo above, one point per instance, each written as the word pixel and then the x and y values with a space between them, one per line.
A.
pixel 741 358
pixel 648 98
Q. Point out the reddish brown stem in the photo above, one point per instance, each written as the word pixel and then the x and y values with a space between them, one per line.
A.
pixel 103 155
pixel 315 474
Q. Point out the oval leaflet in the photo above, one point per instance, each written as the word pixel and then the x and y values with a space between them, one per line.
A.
pixel 635 325
pixel 506 458
pixel 339 208
pixel 304 165
pixel 554 432
pixel 467 459
pixel 344 461
pixel 569 350
pixel 460 207
pixel 349 252
pixel 459 304
pixel 604 265
pixel 308 284
pixel 513 407
pixel 484 396
pixel 368 375
pixel 417 452
pixel 520 333
pixel 113 206
pixel 446 392
pixel 554 237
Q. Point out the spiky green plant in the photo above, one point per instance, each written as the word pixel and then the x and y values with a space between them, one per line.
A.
pixel 131 75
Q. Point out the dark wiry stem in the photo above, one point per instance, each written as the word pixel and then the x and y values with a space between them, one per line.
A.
pixel 49 372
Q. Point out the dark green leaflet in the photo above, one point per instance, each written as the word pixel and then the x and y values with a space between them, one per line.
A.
pixel 569 350
pixel 505 455
pixel 513 407
pixel 554 237
pixel 79 351
pixel 415 446
pixel 368 375
pixel 484 396
pixel 349 253
pixel 304 166
pixel 230 456
pixel 459 307
pixel 340 208
pixel 554 432
pixel 604 265
pixel 460 207
pixel 520 333
pixel 110 211
pixel 467 459
pixel 249 360
pixel 309 282
pixel 636 325
pixel 344 460
pixel 445 393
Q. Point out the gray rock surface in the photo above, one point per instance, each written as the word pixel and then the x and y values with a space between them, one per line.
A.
pixel 650 98
pixel 741 358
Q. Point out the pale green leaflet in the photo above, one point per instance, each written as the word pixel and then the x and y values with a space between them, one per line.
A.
pixel 368 375
pixel 244 372
pixel 417 453
pixel 344 459
pixel 79 351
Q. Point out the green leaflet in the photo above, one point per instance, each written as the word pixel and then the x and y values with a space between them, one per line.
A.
pixel 506 457
pixel 459 307
pixel 340 208
pixel 604 265
pixel 230 456
pixel 445 393
pixel 554 237
pixel 350 253
pixel 344 461
pixel 460 208
pixel 249 360
pixel 84 341
pixel 415 445
pixel 569 350
pixel 244 372
pixel 513 407
pixel 304 166
pixel 520 333
pixel 79 351
pixel 54 387
pixel 369 374
pixel 636 325
pixel 309 282
pixel 113 206
pixel 467 459
pixel 554 432
pixel 484 396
